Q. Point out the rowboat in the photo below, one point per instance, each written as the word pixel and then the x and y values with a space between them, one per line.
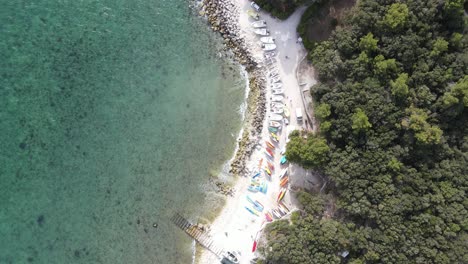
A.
pixel 253 14
pixel 259 24
pixel 267 40
pixel 277 98
pixel 274 124
pixel 252 189
pixel 268 47
pixel 283 173
pixel 278 91
pixel 276 85
pixel 283 160
pixel 274 117
pixel 262 32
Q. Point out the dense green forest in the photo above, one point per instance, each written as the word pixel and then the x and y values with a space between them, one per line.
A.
pixel 281 9
pixel 393 109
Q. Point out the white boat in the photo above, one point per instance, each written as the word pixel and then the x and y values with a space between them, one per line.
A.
pixel 262 31
pixel 253 14
pixel 268 47
pixel 277 105
pixel 274 117
pixel 283 173
pixel 277 98
pixel 267 40
pixel 276 79
pixel 277 111
pixel 259 24
pixel 274 124
pixel 278 91
pixel 276 85
pixel 230 258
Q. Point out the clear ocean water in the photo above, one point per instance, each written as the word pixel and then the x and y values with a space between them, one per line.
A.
pixel 113 115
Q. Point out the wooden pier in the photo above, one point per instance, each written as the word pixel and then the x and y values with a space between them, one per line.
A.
pixel 197 234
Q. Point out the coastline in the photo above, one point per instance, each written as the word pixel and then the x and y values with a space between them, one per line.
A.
pixel 234 231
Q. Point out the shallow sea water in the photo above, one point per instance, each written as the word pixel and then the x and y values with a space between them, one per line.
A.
pixel 113 115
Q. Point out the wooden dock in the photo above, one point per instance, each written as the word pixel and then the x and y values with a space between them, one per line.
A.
pixel 197 234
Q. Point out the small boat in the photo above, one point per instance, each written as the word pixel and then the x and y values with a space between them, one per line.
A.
pixel 254 247
pixel 274 124
pixel 276 214
pixel 267 40
pixel 267 170
pixel 268 155
pixel 256 175
pixel 271 166
pixel 277 98
pixel 283 160
pixel 268 47
pixel 252 188
pixel 230 258
pixel 284 181
pixel 264 188
pixel 281 195
pixel 277 110
pixel 276 85
pixel 251 211
pixel 283 150
pixel 277 105
pixel 273 129
pixel 285 208
pixel 275 79
pixel 280 211
pixel 286 111
pixel 262 32
pixel 278 91
pixel 268 217
pixel 274 117
pixel 260 163
pixel 253 14
pixel 270 145
pixel 274 136
pixel 283 173
pixel 259 24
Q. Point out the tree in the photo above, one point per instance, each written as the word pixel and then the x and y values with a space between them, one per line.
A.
pixel 310 152
pixel 384 66
pixel 323 111
pixel 368 43
pixel 396 16
pixel 360 121
pixel 399 86
pixel 440 46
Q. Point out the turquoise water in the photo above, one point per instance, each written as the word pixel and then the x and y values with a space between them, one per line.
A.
pixel 113 114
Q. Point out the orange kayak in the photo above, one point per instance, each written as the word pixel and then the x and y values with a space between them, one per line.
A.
pixel 284 181
pixel 270 145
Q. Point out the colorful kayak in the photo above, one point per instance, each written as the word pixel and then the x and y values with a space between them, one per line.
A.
pixel 254 247
pixel 274 137
pixel 284 182
pixel 286 209
pixel 267 170
pixel 283 160
pixel 269 144
pixel 251 211
pixel 268 155
pixel 276 214
pixel 252 189
pixel 283 173
pixel 270 152
pixel 273 129
pixel 281 195
pixel 268 217
pixel 264 188
pixel 271 166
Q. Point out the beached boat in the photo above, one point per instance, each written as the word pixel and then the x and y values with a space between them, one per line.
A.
pixel 280 211
pixel 254 246
pixel 253 14
pixel 278 91
pixel 270 145
pixel 275 79
pixel 276 85
pixel 277 110
pixel 251 211
pixel 267 170
pixel 271 166
pixel 268 47
pixel 283 160
pixel 270 151
pixel 268 155
pixel 267 40
pixel 277 98
pixel 281 195
pixel 252 188
pixel 277 105
pixel 276 213
pixel 274 136
pixel 259 24
pixel 273 129
pixel 274 124
pixel 276 118
pixel 283 150
pixel 230 258
pixel 262 32
pixel 268 217
pixel 283 173
pixel 284 181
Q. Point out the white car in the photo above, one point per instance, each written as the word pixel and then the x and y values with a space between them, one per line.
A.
pixel 255 6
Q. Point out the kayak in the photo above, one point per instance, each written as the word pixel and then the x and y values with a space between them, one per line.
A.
pixel 281 195
pixel 284 182
pixel 260 163
pixel 283 160
pixel 251 211
pixel 270 151
pixel 270 145
pixel 283 173
pixel 268 217
pixel 273 129
pixel 271 166
pixel 276 214
pixel 274 137
pixel 286 209
pixel 252 189
pixel 268 155
pixel 254 247
pixel 267 170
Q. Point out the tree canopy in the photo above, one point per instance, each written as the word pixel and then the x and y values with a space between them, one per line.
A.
pixel 392 104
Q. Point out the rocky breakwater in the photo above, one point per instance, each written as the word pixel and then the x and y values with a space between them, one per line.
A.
pixel 223 16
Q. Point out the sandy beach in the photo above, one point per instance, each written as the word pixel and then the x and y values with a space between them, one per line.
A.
pixel 236 229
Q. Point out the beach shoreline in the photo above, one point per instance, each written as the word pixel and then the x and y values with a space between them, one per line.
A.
pixel 234 229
